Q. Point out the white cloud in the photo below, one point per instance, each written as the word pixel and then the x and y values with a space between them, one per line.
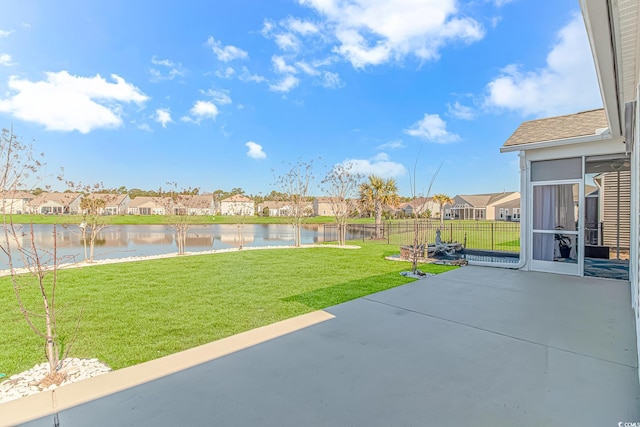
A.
pixel 170 68
pixel 301 27
pixel 460 111
pixel 433 129
pixel 255 150
pixel 202 110
pixel 280 66
pixel 5 59
pixel 227 73
pixel 370 32
pixel 226 53
pixel 307 68
pixel 287 41
pixel 331 80
pixel 220 97
pixel 285 85
pixel 145 127
pixel 246 76
pixel 500 3
pixel 378 165
pixel 66 102
pixel 391 145
pixel 4 33
pixel 163 116
pixel 566 84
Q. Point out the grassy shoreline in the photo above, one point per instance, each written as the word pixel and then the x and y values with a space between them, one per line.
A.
pixel 134 312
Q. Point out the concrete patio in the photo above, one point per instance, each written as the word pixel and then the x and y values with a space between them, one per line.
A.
pixel 475 346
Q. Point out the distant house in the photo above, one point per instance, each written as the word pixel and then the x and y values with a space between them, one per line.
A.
pixel 237 205
pixel 194 205
pixel 114 204
pixel 420 206
pixel 15 202
pixel 143 205
pixel 490 206
pixel 56 203
pixel 275 208
pixel 322 206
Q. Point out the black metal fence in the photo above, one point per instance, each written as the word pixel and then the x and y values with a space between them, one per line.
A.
pixel 354 232
pixel 495 236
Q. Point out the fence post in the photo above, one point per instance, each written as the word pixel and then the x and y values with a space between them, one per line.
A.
pixel 451 232
pixel 492 236
pixel 388 233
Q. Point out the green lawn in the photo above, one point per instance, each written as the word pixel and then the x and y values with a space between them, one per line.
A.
pixel 139 311
pixel 161 219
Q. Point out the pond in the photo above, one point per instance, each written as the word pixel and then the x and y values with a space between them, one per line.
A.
pixel 121 241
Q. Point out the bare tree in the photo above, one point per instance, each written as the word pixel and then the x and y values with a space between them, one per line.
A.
pixel 294 185
pixel 417 246
pixel 180 206
pixel 341 185
pixel 93 204
pixel 33 269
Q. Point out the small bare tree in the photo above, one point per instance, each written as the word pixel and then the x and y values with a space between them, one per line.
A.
pixel 294 185
pixel 341 185
pixel 33 269
pixel 179 207
pixel 415 253
pixel 93 204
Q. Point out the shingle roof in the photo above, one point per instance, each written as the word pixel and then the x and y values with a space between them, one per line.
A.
pixel 60 198
pixel 237 198
pixel 560 127
pixel 150 201
pixel 109 198
pixel 481 200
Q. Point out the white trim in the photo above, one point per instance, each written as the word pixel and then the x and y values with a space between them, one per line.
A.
pixel 561 142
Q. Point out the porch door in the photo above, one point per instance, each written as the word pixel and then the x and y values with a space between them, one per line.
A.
pixel 556 220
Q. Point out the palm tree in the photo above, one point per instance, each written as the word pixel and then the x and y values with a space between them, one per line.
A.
pixel 376 193
pixel 442 200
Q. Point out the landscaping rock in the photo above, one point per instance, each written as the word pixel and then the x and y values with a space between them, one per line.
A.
pixel 30 382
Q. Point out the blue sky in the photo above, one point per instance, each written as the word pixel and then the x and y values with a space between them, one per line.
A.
pixel 217 95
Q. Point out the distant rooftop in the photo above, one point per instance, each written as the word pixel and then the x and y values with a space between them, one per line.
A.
pixel 560 127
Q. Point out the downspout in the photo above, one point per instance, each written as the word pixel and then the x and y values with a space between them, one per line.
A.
pixel 524 195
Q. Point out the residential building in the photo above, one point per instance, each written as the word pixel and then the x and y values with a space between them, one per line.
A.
pixel 56 203
pixel 237 205
pixel 275 208
pixel 420 206
pixel 114 204
pixel 322 206
pixel 194 205
pixel 16 202
pixel 144 205
pixel 483 206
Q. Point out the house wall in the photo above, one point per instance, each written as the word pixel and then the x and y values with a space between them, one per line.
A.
pixel 510 205
pixel 237 208
pixel 322 208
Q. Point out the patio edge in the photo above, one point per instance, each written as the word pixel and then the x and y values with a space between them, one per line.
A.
pixel 52 401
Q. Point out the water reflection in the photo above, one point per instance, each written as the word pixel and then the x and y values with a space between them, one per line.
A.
pixel 119 241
